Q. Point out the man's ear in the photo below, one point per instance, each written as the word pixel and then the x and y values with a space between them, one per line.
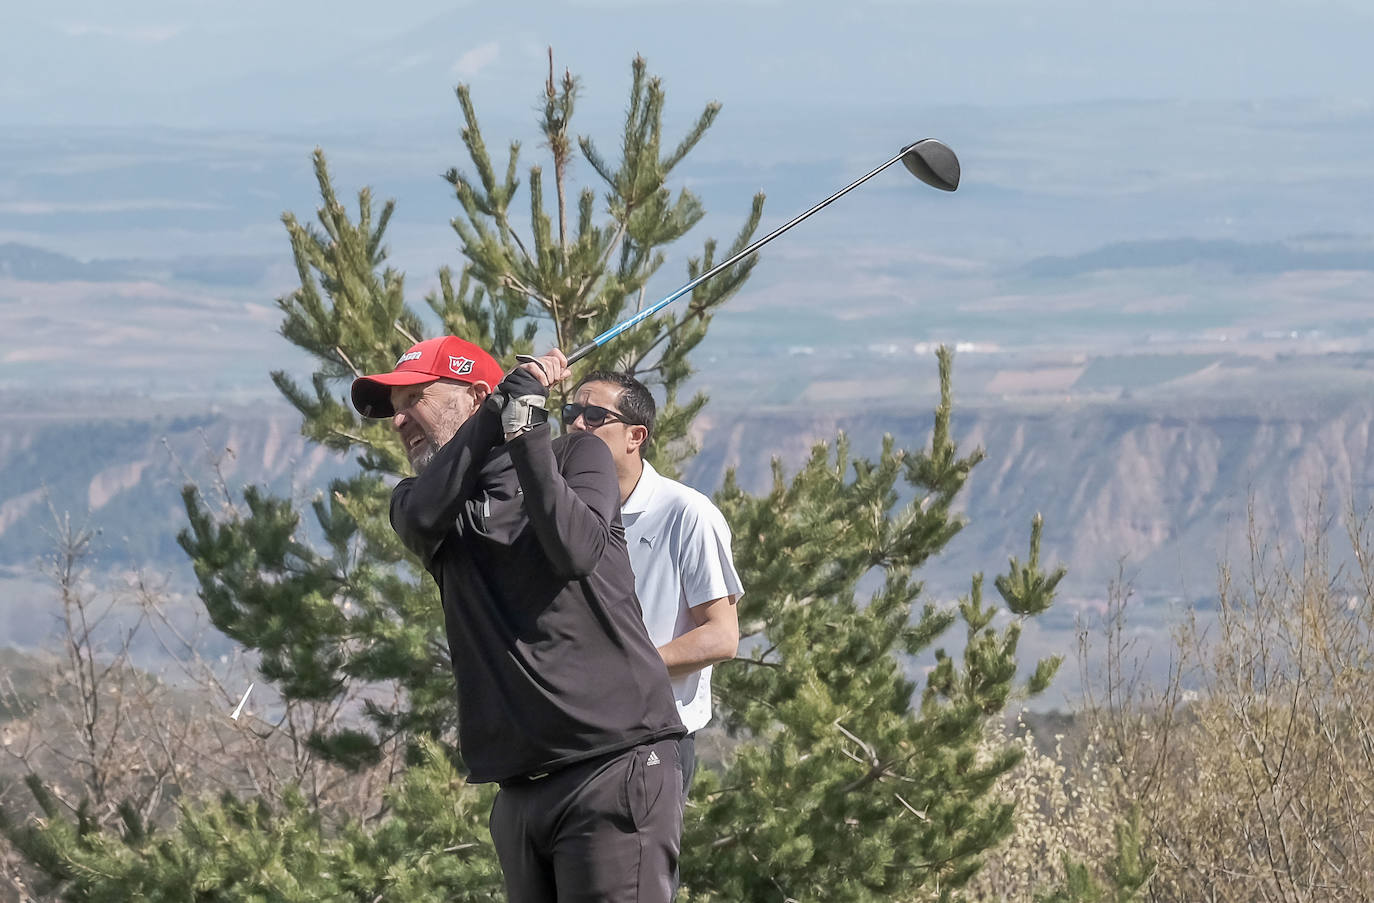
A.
pixel 480 391
pixel 637 434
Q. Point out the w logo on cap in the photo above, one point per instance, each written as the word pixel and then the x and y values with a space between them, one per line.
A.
pixel 461 366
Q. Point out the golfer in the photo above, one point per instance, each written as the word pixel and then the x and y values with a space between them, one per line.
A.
pixel 562 698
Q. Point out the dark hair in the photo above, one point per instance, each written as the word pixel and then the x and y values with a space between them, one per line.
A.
pixel 636 402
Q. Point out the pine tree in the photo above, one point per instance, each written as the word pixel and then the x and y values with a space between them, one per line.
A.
pixel 854 784
pixel 432 848
pixel 850 781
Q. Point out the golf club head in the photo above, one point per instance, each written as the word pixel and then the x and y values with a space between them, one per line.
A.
pixel 933 163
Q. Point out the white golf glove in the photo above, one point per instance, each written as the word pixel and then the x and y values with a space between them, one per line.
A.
pixel 524 402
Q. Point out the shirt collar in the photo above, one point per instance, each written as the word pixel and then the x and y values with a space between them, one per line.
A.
pixel 643 493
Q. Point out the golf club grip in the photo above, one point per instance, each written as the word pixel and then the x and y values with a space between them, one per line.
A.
pixel 581 353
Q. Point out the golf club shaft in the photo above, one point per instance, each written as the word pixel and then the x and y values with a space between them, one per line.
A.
pixel 669 299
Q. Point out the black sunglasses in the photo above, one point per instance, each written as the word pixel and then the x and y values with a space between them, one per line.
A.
pixel 594 415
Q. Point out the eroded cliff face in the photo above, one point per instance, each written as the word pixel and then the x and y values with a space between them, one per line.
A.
pixel 126 476
pixel 1167 493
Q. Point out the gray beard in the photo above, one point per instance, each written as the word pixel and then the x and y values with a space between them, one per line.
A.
pixel 423 456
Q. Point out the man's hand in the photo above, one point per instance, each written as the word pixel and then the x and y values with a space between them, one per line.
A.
pixel 549 369
pixel 524 391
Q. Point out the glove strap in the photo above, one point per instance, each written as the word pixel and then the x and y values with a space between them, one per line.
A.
pixel 523 412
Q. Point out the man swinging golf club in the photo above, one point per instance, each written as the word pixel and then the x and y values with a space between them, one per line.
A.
pixel 563 699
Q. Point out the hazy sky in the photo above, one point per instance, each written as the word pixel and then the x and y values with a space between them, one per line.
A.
pixel 264 63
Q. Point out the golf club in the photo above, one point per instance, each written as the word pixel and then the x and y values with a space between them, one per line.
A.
pixel 928 160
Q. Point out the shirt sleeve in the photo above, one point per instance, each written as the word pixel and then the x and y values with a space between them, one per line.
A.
pixel 708 567
pixel 572 506
pixel 425 508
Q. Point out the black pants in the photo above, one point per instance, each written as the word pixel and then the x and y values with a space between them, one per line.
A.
pixel 604 830
pixel 687 757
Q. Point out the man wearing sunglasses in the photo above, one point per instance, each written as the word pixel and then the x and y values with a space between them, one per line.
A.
pixel 563 699
pixel 679 548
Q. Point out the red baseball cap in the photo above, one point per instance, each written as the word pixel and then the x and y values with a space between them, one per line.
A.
pixel 447 357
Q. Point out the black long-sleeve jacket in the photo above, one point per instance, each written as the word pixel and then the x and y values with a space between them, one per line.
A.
pixel 549 649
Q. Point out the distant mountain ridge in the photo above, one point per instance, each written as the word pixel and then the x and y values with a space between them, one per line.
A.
pixel 30 264
pixel 1241 257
